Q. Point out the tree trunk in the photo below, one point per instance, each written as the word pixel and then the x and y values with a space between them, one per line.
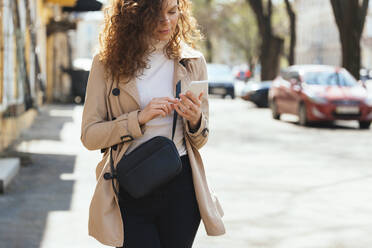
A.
pixel 350 18
pixel 292 23
pixel 208 44
pixel 351 54
pixel 271 45
pixel 271 50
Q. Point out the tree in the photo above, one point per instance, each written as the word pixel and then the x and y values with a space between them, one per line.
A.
pixel 203 10
pixel 237 25
pixel 292 26
pixel 350 17
pixel 271 44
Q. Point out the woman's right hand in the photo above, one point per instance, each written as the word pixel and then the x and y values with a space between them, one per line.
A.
pixel 160 106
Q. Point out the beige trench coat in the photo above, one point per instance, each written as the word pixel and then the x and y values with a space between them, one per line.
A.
pixel 110 113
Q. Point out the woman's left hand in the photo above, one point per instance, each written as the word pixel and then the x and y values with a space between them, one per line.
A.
pixel 189 107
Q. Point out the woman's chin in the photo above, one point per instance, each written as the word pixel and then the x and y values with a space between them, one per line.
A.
pixel 163 37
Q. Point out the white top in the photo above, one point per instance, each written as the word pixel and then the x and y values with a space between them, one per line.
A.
pixel 157 81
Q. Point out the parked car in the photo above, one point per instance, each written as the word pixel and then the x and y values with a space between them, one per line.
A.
pixel 365 74
pixel 320 93
pixel 220 80
pixel 243 75
pixel 257 92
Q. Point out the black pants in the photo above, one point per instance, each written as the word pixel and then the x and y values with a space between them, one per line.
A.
pixel 169 217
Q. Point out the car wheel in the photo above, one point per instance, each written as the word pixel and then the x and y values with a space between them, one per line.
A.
pixel 364 124
pixel 274 110
pixel 302 115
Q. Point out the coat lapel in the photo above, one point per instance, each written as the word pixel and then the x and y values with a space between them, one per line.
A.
pixel 131 89
pixel 180 74
pixel 180 71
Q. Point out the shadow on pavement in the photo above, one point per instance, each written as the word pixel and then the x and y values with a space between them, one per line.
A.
pixel 36 191
pixel 38 188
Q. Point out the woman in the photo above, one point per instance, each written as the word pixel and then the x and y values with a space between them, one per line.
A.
pixel 146 48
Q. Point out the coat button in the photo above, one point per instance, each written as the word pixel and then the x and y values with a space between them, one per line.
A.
pixel 103 150
pixel 113 118
pixel 116 92
pixel 114 147
pixel 107 176
pixel 126 138
pixel 205 132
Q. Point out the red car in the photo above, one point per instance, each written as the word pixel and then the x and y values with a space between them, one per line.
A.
pixel 320 93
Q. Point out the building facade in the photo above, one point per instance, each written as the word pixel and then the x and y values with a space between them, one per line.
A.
pixel 34 53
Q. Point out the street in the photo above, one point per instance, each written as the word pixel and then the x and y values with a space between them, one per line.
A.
pixel 281 185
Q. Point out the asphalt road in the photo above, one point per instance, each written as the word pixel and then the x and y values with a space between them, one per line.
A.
pixel 281 185
pixel 287 186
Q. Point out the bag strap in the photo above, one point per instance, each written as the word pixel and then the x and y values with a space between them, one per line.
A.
pixel 175 115
pixel 113 175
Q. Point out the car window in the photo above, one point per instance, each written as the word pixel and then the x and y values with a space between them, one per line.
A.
pixel 328 78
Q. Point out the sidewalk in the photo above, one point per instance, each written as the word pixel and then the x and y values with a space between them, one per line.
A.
pixel 47 203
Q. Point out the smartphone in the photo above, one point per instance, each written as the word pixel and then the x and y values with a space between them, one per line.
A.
pixel 196 87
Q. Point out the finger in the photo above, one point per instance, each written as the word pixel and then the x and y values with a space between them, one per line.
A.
pixel 168 99
pixel 188 114
pixel 160 102
pixel 159 112
pixel 178 110
pixel 169 109
pixel 183 114
pixel 183 107
pixel 189 109
pixel 168 104
pixel 164 105
pixel 186 101
pixel 192 97
pixel 201 95
pixel 161 106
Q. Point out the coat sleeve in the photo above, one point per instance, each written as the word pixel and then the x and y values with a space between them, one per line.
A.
pixel 199 137
pixel 96 131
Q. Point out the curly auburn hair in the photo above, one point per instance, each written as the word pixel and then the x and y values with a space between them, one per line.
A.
pixel 128 26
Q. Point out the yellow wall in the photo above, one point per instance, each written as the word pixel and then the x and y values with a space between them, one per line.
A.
pixel 67 3
pixel 11 127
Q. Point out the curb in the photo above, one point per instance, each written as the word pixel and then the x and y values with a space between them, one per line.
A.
pixel 9 168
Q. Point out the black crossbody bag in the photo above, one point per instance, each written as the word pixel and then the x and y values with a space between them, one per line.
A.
pixel 150 165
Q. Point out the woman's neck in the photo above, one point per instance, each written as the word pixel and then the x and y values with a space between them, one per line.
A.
pixel 158 44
